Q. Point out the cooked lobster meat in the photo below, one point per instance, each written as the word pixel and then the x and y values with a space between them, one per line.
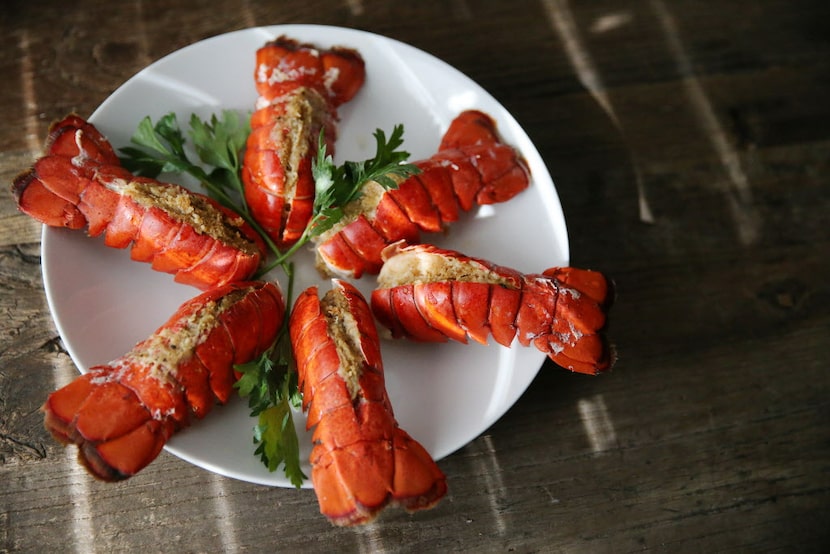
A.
pixel 121 414
pixel 79 183
pixel 472 167
pixel 426 293
pixel 300 88
pixel 361 460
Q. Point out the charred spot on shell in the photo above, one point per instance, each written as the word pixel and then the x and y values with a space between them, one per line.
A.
pixel 186 207
pixel 21 182
pixel 343 331
pixel 417 266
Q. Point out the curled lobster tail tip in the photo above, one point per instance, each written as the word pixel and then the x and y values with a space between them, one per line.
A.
pixel 121 415
pixel 74 137
pixel 468 128
pixel 362 461
pixel 115 434
pixel 339 71
pixel 351 495
pixel 51 190
pixel 588 295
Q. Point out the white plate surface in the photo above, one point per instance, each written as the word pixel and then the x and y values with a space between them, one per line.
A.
pixel 444 395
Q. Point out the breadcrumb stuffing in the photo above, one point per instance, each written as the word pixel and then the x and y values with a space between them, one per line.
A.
pixel 415 267
pixel 297 128
pixel 191 209
pixel 343 330
pixel 164 352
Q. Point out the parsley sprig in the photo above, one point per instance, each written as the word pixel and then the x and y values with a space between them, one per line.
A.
pixel 338 185
pixel 269 382
pixel 161 148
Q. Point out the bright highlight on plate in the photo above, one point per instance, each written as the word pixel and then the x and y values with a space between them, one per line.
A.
pixel 444 395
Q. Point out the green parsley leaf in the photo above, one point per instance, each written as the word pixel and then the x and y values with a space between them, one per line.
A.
pixel 218 143
pixel 276 437
pixel 336 186
pixel 159 149
pixel 270 384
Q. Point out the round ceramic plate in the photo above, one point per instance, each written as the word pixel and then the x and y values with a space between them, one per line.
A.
pixel 444 395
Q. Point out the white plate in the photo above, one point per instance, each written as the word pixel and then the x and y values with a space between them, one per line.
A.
pixel 444 395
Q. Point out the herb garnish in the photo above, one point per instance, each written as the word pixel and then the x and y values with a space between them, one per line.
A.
pixel 336 186
pixel 160 148
pixel 270 384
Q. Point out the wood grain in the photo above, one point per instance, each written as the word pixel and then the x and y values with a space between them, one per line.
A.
pixel 712 432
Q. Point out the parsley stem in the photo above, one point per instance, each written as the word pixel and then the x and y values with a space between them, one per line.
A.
pixel 236 182
pixel 219 194
pixel 282 258
pixel 243 211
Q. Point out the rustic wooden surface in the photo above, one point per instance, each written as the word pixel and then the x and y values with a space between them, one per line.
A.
pixel 690 145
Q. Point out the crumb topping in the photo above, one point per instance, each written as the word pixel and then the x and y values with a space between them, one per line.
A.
pixel 165 351
pixel 343 330
pixel 186 207
pixel 296 130
pixel 417 266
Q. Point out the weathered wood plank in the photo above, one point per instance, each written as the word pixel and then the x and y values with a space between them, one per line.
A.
pixel 712 432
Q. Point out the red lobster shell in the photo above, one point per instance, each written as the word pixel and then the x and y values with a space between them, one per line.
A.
pixel 300 88
pixel 361 460
pixel 430 294
pixel 121 414
pixel 472 167
pixel 80 183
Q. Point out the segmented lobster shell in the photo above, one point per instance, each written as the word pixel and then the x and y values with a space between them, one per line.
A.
pixel 79 183
pixel 121 414
pixel 300 88
pixel 426 293
pixel 362 460
pixel 472 167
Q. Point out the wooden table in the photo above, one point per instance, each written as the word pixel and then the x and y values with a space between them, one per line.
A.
pixel 689 143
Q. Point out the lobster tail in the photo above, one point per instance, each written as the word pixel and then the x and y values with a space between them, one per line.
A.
pixel 361 460
pixel 430 294
pixel 121 414
pixel 79 183
pixel 300 88
pixel 473 167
